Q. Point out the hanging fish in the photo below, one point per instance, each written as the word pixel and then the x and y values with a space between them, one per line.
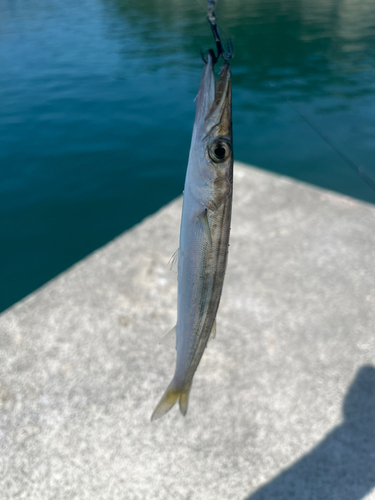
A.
pixel 205 226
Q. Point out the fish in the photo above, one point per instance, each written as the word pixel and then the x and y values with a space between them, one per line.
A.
pixel 204 232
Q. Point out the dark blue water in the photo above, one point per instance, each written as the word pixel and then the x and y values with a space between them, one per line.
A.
pixel 97 106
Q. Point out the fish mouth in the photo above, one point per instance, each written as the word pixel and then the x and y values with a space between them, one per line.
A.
pixel 220 113
pixel 222 87
pixel 214 96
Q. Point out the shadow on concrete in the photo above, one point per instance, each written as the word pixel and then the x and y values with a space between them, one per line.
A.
pixel 342 466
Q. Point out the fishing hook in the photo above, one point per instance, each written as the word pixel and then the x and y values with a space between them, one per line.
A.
pixel 211 18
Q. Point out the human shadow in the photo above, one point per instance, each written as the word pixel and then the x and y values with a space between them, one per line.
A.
pixel 342 466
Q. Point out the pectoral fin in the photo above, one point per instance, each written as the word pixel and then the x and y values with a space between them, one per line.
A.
pixel 206 227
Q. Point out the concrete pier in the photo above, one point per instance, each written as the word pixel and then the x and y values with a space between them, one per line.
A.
pixel 283 403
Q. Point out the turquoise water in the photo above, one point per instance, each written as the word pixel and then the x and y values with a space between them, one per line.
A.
pixel 97 106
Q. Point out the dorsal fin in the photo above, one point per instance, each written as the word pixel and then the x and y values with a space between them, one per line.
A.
pixel 170 338
pixel 173 261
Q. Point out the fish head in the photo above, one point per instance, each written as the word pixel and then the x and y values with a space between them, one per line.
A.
pixel 211 154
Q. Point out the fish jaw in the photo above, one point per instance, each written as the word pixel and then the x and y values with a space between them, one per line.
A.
pixel 210 181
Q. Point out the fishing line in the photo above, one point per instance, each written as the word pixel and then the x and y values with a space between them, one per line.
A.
pixel 358 169
pixel 210 10
pixel 210 5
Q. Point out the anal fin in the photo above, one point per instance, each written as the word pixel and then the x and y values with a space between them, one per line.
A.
pixel 213 332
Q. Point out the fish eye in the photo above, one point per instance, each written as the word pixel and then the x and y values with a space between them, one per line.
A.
pixel 220 150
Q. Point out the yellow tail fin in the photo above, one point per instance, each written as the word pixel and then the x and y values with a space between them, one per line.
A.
pixel 169 399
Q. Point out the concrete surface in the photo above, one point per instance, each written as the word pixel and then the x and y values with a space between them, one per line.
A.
pixel 283 403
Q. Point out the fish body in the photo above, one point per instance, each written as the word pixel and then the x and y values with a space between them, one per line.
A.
pixel 204 235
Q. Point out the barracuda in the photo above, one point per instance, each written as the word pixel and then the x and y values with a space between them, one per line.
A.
pixel 205 227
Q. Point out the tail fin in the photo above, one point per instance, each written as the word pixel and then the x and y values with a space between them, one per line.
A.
pixel 169 399
pixel 184 400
